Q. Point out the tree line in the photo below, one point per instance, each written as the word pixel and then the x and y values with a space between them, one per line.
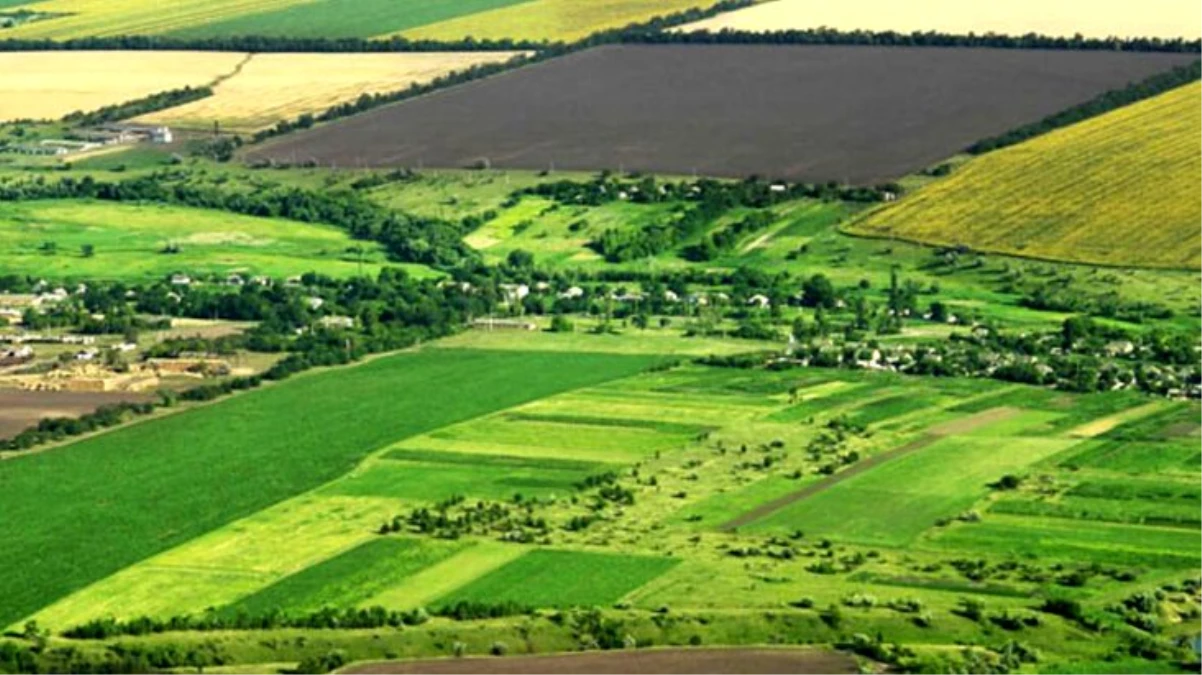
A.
pixel 139 106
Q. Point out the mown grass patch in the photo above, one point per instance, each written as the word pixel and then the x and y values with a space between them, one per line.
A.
pixel 621 422
pixel 154 485
pixel 555 578
pixel 348 579
pixel 1136 457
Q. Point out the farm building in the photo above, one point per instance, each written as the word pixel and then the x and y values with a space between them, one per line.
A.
pixel 504 324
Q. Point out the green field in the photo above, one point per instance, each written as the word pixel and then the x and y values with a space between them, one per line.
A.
pixel 348 579
pixel 550 578
pixel 343 18
pixel 903 498
pixel 157 484
pixel 128 241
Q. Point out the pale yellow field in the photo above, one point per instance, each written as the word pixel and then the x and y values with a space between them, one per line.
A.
pixel 554 20
pixel 1092 18
pixel 135 17
pixel 48 85
pixel 274 87
pixel 1124 189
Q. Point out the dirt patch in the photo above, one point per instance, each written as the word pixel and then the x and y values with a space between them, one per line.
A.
pixel 933 434
pixel 21 409
pixel 855 114
pixel 649 662
pixel 1180 430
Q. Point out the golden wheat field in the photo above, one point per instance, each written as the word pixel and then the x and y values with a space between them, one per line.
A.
pixel 48 85
pixel 1092 18
pixel 273 87
pixel 134 17
pixel 554 20
pixel 1119 189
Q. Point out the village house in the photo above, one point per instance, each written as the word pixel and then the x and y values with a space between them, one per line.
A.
pixel 759 300
pixel 504 324
pixel 336 321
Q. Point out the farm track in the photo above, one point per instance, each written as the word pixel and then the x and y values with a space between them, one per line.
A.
pixel 642 662
pixel 933 434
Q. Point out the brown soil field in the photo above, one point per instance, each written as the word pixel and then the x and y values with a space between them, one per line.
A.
pixel 816 113
pixel 20 409
pixel 649 662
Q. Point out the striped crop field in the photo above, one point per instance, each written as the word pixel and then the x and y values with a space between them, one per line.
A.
pixel 86 18
pixel 1156 18
pixel 552 20
pixel 273 87
pixel 48 85
pixel 1119 189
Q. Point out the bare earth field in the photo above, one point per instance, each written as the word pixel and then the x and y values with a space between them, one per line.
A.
pixel 1152 18
pixel 660 661
pixel 20 409
pixel 854 114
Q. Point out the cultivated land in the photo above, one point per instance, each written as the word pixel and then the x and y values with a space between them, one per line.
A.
pixel 86 18
pixel 172 481
pixel 269 88
pixel 48 85
pixel 659 661
pixel 551 20
pixel 621 108
pixel 1159 18
pixel 128 242
pixel 20 409
pixel 344 18
pixel 1120 189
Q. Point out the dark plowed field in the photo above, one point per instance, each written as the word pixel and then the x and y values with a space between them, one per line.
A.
pixel 20 409
pixel 854 114
pixel 653 662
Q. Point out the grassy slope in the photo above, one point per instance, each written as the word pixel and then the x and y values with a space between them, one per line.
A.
pixel 344 18
pixel 128 240
pixel 1120 189
pixel 79 513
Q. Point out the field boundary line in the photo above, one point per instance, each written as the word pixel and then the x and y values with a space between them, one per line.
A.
pixel 931 436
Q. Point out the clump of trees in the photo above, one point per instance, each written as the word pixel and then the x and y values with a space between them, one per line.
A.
pixel 139 106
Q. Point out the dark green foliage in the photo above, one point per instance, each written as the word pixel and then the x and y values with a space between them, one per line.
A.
pixel 139 106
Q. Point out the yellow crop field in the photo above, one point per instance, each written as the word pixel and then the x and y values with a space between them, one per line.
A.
pixel 1092 18
pixel 48 85
pixel 554 20
pixel 273 87
pixel 1119 189
pixel 135 17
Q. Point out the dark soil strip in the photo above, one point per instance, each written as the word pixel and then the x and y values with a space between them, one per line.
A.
pixel 933 434
pixel 649 662
pixel 854 114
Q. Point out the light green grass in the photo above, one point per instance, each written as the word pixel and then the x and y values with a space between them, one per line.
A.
pixel 350 578
pixel 128 240
pixel 893 503
pixel 154 485
pixel 551 578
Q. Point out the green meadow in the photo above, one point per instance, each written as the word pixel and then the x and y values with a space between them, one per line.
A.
pixel 99 240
